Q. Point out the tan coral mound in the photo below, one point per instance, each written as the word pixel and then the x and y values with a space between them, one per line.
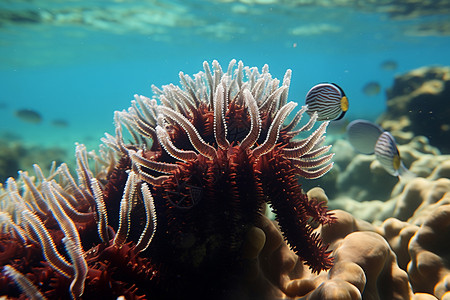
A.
pixel 368 192
pixel 429 268
pixel 396 260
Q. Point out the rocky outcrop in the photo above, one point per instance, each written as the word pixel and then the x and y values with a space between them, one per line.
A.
pixel 417 104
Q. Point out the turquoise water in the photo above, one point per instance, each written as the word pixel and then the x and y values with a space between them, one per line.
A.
pixel 81 61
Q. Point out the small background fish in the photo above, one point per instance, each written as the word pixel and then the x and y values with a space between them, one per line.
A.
pixel 60 123
pixel 372 88
pixel 28 115
pixel 389 65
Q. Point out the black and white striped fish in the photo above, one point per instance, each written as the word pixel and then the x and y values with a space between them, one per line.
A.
pixel 328 100
pixel 368 138
pixel 387 154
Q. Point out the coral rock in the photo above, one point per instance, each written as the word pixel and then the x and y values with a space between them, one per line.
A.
pixel 429 268
pixel 419 99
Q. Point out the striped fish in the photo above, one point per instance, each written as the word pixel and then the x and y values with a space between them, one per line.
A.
pixel 328 100
pixel 387 154
pixel 363 135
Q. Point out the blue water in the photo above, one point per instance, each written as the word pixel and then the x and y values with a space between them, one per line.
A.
pixel 83 72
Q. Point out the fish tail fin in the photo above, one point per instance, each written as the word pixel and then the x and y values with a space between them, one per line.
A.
pixel 404 174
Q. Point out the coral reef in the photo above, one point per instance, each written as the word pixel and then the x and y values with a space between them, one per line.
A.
pixel 417 105
pixel 359 177
pixel 187 215
pixel 15 155
pixel 392 260
pixel 416 116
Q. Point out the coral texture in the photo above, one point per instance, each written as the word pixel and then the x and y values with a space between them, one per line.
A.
pixel 424 94
pixel 16 155
pixel 167 214
pixel 395 260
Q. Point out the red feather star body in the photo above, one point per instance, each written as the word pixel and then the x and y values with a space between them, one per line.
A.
pixel 200 168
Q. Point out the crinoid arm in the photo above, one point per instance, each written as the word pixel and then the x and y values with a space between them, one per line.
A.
pixel 280 169
pixel 293 212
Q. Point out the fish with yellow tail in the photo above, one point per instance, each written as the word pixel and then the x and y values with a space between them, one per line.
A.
pixel 368 138
pixel 387 154
pixel 328 100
